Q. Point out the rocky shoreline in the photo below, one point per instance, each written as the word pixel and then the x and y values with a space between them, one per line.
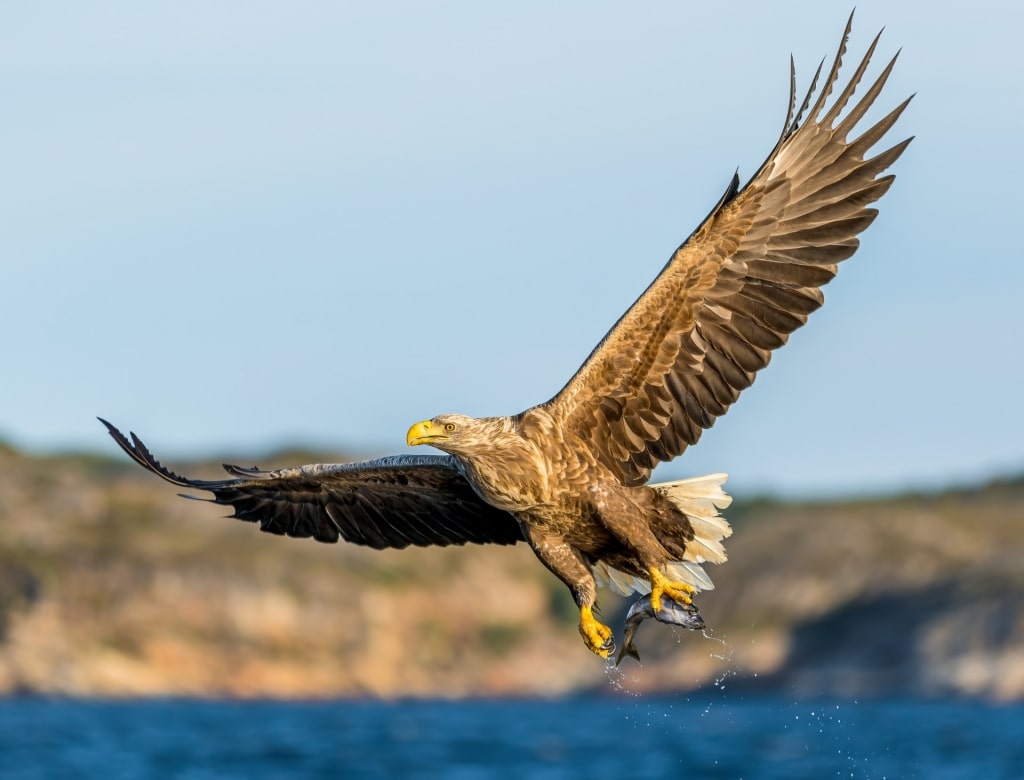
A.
pixel 110 585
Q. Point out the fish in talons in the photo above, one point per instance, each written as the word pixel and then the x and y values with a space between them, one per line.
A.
pixel 672 612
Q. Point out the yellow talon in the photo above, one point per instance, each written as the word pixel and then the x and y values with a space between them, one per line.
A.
pixel 663 586
pixel 596 636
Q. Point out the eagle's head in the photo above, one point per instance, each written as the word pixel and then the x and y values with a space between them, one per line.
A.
pixel 457 434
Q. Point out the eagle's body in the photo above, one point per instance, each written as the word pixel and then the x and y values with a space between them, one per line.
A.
pixel 572 509
pixel 570 476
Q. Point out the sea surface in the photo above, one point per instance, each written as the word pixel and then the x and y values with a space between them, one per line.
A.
pixel 592 738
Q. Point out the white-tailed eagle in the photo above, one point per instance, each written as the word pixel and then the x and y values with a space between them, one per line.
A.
pixel 569 476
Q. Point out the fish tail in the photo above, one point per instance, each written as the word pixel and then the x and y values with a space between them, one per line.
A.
pixel 628 648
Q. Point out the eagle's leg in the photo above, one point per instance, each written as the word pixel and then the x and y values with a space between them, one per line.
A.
pixel 650 552
pixel 629 515
pixel 568 564
pixel 663 586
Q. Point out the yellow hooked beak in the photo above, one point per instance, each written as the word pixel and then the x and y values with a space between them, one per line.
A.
pixel 422 433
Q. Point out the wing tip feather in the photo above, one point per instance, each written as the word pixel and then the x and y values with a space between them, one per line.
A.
pixel 141 454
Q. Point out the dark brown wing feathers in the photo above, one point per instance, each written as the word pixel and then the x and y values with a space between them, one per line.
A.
pixel 738 287
pixel 389 502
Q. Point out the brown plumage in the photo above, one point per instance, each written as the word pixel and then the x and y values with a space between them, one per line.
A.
pixel 569 476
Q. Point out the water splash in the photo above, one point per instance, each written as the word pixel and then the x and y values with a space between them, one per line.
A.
pixel 619 677
pixel 824 734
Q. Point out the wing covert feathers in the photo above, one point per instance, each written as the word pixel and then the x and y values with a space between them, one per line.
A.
pixel 398 501
pixel 739 286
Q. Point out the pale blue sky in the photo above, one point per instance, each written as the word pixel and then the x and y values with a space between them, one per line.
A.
pixel 234 226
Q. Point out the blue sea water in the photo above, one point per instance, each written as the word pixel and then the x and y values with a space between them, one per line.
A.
pixel 592 738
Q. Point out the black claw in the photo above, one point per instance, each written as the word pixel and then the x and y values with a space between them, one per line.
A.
pixel 608 648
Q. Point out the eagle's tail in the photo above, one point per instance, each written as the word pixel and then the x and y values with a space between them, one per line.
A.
pixel 700 499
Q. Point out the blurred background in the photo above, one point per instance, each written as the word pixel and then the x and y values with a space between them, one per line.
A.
pixel 263 232
pixel 244 226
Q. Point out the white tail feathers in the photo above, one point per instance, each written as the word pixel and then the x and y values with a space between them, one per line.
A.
pixel 699 498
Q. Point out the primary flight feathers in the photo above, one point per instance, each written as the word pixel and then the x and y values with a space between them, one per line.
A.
pixel 738 286
pixel 389 502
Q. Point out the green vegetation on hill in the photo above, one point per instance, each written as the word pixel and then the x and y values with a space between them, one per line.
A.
pixel 112 585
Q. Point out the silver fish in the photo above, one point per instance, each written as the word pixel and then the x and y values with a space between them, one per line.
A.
pixel 672 612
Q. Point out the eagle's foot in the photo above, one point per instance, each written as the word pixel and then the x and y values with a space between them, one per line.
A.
pixel 596 635
pixel 663 586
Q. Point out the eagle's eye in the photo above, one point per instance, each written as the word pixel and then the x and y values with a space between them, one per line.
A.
pixel 449 427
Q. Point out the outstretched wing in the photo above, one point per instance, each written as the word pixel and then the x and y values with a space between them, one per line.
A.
pixel 389 502
pixel 748 277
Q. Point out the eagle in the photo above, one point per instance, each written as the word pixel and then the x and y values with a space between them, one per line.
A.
pixel 570 476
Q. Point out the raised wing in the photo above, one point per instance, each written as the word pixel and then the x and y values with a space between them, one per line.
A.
pixel 748 277
pixel 389 502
